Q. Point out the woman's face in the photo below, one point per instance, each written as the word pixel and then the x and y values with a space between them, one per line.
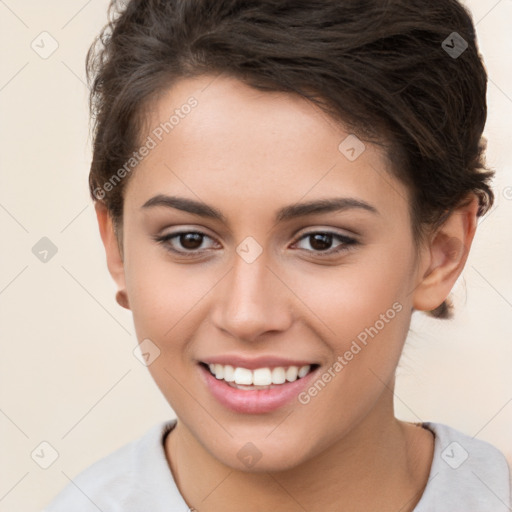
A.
pixel 262 281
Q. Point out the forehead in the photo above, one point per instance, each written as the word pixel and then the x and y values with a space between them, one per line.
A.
pixel 220 140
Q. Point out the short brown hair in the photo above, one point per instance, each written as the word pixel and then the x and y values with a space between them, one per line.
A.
pixel 382 68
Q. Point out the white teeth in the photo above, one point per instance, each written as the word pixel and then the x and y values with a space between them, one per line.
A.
pixel 259 376
pixel 291 373
pixel 219 371
pixel 229 373
pixel 278 375
pixel 262 377
pixel 242 376
pixel 303 371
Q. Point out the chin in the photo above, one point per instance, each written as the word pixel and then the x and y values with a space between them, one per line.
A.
pixel 263 461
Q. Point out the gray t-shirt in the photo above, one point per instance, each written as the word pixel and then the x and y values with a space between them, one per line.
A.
pixel 467 475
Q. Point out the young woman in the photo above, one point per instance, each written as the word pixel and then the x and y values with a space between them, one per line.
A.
pixel 279 185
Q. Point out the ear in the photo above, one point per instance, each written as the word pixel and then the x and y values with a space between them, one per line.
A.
pixel 114 257
pixel 445 256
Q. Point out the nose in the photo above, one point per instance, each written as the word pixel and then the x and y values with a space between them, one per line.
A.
pixel 252 300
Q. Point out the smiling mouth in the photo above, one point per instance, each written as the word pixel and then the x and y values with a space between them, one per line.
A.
pixel 259 378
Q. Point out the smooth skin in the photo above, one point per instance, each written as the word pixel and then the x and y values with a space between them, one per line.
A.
pixel 249 153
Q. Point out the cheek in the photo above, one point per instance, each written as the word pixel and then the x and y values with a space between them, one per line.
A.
pixel 163 300
pixel 155 290
pixel 167 301
pixel 364 320
pixel 363 314
pixel 352 297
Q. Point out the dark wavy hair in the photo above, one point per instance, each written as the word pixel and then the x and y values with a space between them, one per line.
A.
pixel 382 68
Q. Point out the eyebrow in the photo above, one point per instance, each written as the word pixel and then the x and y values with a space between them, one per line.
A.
pixel 287 213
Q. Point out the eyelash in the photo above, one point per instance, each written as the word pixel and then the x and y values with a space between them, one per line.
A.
pixel 347 242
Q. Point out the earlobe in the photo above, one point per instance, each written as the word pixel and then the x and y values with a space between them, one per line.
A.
pixel 122 299
pixel 113 253
pixel 447 255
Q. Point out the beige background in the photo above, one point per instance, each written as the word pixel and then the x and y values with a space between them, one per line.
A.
pixel 68 374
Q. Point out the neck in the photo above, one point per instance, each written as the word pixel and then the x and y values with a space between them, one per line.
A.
pixel 381 464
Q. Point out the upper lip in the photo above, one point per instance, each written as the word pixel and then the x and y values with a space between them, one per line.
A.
pixel 255 362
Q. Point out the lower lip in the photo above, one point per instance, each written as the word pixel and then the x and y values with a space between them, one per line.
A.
pixel 257 401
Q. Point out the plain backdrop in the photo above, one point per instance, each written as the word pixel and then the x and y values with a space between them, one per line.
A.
pixel 68 373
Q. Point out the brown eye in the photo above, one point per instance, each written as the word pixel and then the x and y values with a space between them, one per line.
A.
pixel 322 241
pixel 190 241
pixel 184 242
